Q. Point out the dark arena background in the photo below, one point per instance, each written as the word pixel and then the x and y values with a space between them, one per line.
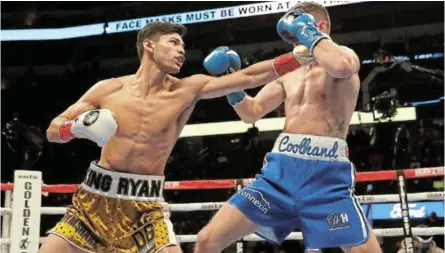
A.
pixel 52 52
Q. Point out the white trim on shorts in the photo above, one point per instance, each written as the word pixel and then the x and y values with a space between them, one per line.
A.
pixel 357 207
pixel 69 241
pixel 171 234
pixel 311 147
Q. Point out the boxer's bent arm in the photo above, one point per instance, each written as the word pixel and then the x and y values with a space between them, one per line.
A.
pixel 338 61
pixel 52 133
pixel 89 101
pixel 268 99
pixel 250 77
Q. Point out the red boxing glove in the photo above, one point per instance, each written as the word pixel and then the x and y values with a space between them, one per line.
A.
pixel 65 131
pixel 285 63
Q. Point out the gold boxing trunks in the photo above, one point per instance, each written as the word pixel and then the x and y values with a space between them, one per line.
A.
pixel 117 212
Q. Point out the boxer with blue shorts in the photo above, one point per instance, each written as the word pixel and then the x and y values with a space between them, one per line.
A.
pixel 291 193
pixel 307 180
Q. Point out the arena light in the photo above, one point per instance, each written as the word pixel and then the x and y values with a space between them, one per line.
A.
pixel 277 124
pixel 52 33
pixel 241 11
pixel 426 56
pixel 427 102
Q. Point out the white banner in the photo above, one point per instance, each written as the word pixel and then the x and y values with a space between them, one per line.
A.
pixel 27 198
pixel 138 23
pixel 241 11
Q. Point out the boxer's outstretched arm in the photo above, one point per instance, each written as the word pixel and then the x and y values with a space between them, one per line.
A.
pixel 250 77
pixel 338 61
pixel 89 101
pixel 268 99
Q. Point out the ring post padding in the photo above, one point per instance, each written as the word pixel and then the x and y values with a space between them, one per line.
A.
pixel 27 197
pixel 6 228
pixel 408 239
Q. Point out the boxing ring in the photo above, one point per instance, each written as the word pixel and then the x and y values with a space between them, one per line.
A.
pixel 401 197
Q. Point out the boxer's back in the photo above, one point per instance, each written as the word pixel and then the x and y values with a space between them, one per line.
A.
pixel 148 127
pixel 319 104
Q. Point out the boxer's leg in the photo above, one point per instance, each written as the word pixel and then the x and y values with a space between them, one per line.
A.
pixel 331 216
pixel 370 246
pixel 76 225
pixel 56 244
pixel 227 226
pixel 171 249
pixel 145 227
pixel 267 206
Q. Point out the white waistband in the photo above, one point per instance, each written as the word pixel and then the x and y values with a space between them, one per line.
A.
pixel 120 185
pixel 311 147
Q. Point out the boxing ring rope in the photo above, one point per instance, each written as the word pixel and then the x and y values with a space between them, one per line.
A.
pixel 386 232
pixel 383 175
pixel 209 206
pixel 6 211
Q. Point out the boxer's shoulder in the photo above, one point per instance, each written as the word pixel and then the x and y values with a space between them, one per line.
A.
pixel 191 80
pixel 198 81
pixel 99 91
pixel 193 83
pixel 112 85
pixel 118 83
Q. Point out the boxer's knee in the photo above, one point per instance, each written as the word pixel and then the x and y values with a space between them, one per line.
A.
pixel 206 243
pixel 370 246
pixel 55 244
pixel 204 237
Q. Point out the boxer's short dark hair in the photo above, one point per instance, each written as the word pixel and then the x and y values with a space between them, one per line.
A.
pixel 154 30
pixel 317 10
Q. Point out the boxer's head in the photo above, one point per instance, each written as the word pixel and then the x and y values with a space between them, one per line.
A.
pixel 162 43
pixel 319 12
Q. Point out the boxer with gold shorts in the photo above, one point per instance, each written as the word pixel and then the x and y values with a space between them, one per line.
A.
pixel 137 119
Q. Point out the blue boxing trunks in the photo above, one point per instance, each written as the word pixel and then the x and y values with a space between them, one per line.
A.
pixel 306 182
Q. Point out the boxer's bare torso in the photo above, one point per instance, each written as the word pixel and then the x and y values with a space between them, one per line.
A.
pixel 318 104
pixel 149 124
pixel 151 116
